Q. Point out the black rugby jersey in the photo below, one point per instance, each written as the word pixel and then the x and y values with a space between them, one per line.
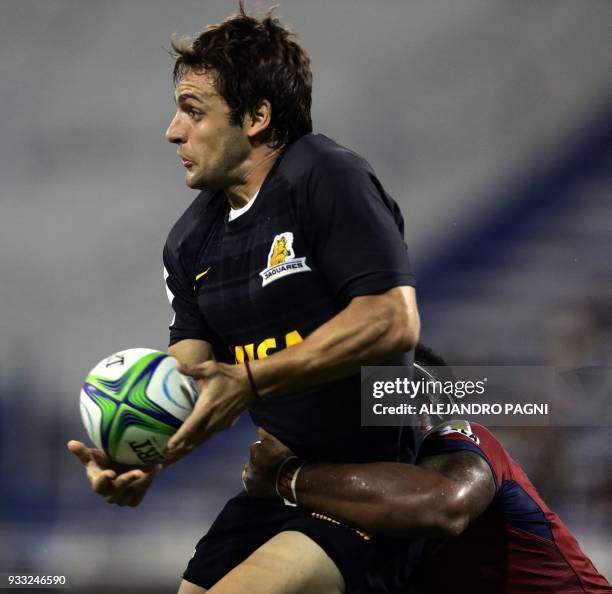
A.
pixel 321 231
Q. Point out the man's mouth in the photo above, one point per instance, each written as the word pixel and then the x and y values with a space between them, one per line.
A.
pixel 187 163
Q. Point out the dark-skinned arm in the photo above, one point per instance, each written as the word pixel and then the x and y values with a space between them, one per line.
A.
pixel 437 498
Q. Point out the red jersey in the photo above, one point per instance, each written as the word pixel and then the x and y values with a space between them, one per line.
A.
pixel 517 546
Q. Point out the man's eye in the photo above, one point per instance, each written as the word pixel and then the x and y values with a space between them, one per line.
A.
pixel 193 113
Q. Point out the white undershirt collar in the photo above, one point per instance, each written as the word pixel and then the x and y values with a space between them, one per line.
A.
pixel 234 213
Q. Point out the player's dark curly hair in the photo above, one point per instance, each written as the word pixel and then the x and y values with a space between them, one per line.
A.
pixel 430 365
pixel 425 355
pixel 435 364
pixel 252 60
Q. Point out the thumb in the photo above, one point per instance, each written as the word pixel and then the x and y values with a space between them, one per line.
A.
pixel 80 450
pixel 183 439
pixel 263 434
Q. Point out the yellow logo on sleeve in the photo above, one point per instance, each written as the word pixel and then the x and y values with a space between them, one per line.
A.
pixel 199 276
pixel 281 260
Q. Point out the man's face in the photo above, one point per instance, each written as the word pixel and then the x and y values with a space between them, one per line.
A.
pixel 211 149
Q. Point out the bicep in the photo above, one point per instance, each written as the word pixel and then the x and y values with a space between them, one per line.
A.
pixel 398 302
pixel 475 485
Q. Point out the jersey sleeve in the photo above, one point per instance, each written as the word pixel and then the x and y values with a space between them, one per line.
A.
pixel 355 230
pixel 187 321
pixel 461 436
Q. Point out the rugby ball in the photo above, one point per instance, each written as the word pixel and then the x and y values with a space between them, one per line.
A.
pixel 133 402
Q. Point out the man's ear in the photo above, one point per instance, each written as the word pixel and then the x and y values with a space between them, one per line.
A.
pixel 257 121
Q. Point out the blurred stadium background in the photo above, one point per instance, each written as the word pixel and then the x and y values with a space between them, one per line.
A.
pixel 490 122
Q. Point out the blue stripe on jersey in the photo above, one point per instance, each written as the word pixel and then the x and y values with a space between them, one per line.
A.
pixel 522 512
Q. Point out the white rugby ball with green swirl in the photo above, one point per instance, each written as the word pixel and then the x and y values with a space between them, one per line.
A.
pixel 133 402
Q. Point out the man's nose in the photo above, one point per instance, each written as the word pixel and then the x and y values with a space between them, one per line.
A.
pixel 175 132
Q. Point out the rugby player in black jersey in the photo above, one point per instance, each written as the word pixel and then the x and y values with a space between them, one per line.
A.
pixel 286 274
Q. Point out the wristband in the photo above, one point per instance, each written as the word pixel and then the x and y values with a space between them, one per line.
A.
pixel 294 483
pixel 285 476
pixel 280 470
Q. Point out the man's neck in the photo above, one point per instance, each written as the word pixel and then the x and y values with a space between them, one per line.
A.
pixel 256 168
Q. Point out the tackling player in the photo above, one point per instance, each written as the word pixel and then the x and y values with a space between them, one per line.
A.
pixel 293 242
pixel 487 529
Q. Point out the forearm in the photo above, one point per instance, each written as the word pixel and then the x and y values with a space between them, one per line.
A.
pixel 189 352
pixel 382 498
pixel 192 352
pixel 370 329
